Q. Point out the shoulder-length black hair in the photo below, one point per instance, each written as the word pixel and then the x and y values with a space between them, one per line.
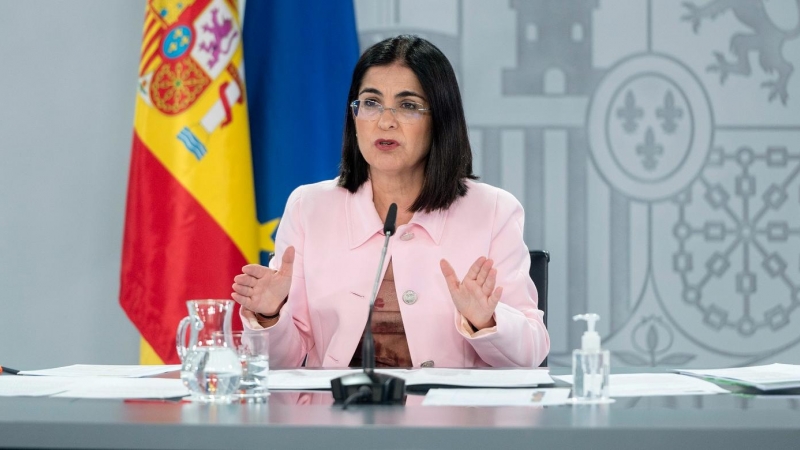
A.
pixel 449 161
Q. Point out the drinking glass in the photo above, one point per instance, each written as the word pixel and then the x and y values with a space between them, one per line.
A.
pixel 252 347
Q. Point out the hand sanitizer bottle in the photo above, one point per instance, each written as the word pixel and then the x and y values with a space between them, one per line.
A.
pixel 590 366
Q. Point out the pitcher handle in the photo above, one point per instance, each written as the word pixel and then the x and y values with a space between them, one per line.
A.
pixel 180 338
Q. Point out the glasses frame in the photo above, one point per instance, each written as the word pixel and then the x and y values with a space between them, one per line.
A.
pixel 355 104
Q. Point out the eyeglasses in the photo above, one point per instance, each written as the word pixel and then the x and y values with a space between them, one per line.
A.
pixel 405 112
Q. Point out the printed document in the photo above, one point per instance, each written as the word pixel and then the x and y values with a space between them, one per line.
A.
pixel 765 378
pixel 92 370
pixel 655 384
pixel 92 387
pixel 299 379
pixel 497 397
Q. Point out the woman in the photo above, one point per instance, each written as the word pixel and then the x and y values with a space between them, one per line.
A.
pixel 455 289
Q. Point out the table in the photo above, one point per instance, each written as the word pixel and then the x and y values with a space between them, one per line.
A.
pixel 309 420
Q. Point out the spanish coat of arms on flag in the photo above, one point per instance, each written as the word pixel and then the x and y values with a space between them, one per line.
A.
pixel 190 220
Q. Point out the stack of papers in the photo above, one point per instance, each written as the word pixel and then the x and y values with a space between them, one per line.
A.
pixel 92 387
pixel 17 386
pixel 655 384
pixel 86 370
pixel 126 381
pixel 416 378
pixel 95 381
pixel 767 378
pixel 497 397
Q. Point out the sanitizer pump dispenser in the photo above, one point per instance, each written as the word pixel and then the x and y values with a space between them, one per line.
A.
pixel 590 366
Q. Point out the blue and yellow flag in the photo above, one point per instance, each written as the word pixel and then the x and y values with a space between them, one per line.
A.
pixel 299 57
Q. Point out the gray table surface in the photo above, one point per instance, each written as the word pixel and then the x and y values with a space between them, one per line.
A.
pixel 309 420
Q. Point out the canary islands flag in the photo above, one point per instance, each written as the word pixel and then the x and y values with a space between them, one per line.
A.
pixel 299 58
pixel 190 222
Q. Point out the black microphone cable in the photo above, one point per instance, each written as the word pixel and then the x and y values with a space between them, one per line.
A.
pixel 362 392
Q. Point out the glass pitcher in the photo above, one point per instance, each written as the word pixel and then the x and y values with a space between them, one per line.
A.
pixel 211 369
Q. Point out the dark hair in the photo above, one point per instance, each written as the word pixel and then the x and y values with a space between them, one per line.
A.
pixel 449 161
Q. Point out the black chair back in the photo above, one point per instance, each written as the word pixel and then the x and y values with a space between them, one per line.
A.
pixel 538 273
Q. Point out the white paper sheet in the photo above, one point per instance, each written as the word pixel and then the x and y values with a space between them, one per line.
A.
pixel 124 388
pixel 91 370
pixel 478 378
pixel 655 384
pixel 19 386
pixel 497 397
pixel 299 379
pixel 769 377
pixel 92 387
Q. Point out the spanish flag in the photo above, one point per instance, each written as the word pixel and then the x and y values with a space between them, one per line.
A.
pixel 190 221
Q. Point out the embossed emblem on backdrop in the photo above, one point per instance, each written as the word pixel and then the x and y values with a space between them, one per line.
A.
pixel 656 149
pixel 726 248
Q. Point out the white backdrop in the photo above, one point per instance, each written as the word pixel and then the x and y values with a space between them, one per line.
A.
pixel 67 84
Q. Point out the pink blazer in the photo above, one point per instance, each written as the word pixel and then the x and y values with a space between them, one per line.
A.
pixel 338 238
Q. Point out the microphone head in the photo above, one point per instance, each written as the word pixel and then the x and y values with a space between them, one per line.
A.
pixel 391 218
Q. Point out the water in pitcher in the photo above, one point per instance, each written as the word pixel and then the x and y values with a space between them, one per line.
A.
pixel 211 373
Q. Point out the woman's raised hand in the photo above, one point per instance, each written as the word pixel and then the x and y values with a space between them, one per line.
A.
pixel 475 297
pixel 261 289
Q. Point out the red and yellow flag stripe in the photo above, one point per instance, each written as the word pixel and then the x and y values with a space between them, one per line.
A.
pixel 190 220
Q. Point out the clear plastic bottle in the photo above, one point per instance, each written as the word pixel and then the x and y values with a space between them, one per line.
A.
pixel 591 366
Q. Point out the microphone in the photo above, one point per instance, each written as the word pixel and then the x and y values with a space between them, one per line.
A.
pixel 391 219
pixel 369 387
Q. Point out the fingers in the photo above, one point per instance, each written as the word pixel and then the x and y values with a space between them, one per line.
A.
pixel 494 299
pixel 488 286
pixel 481 272
pixel 484 271
pixel 449 275
pixel 243 290
pixel 473 271
pixel 242 300
pixel 255 270
pixel 245 280
pixel 287 262
pixel 258 286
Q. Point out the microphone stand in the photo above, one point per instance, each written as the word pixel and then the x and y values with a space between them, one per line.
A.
pixel 368 387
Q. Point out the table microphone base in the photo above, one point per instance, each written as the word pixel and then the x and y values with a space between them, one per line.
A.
pixel 369 388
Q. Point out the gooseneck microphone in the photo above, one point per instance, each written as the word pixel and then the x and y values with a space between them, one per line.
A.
pixel 368 346
pixel 369 387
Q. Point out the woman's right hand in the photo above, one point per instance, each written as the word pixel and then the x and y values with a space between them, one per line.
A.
pixel 261 289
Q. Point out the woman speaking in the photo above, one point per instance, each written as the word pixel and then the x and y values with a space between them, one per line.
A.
pixel 455 290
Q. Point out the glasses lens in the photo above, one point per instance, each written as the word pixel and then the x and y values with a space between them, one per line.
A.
pixel 406 112
pixel 367 109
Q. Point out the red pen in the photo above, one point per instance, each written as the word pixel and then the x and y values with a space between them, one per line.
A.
pixel 156 400
pixel 8 370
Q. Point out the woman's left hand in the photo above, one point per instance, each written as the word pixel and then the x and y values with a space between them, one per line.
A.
pixel 475 297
